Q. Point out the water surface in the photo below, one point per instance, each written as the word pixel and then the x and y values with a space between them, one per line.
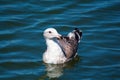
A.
pixel 22 43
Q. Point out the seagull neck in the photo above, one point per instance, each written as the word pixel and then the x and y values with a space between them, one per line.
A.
pixel 51 42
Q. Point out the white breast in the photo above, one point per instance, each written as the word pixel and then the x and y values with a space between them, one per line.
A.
pixel 54 53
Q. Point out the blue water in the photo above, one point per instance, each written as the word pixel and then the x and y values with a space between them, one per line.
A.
pixel 22 44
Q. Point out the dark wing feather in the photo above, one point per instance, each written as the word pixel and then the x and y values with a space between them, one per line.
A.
pixel 69 44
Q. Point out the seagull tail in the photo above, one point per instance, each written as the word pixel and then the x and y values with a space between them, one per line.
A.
pixel 78 34
pixel 75 34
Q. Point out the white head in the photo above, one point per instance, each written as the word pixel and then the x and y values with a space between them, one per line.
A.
pixel 51 33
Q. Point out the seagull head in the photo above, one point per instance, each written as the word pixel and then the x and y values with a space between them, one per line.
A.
pixel 51 33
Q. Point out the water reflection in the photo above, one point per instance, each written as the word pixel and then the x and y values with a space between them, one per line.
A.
pixel 57 70
pixel 54 71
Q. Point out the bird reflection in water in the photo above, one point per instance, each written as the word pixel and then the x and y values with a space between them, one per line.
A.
pixel 57 70
pixel 54 70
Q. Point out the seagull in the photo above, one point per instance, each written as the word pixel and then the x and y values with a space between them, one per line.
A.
pixel 60 49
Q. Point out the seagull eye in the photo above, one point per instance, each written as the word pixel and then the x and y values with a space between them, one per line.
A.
pixel 50 32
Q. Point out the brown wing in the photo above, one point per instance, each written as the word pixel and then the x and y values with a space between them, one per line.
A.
pixel 69 46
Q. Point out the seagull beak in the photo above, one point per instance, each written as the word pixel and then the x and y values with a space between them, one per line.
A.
pixel 59 36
